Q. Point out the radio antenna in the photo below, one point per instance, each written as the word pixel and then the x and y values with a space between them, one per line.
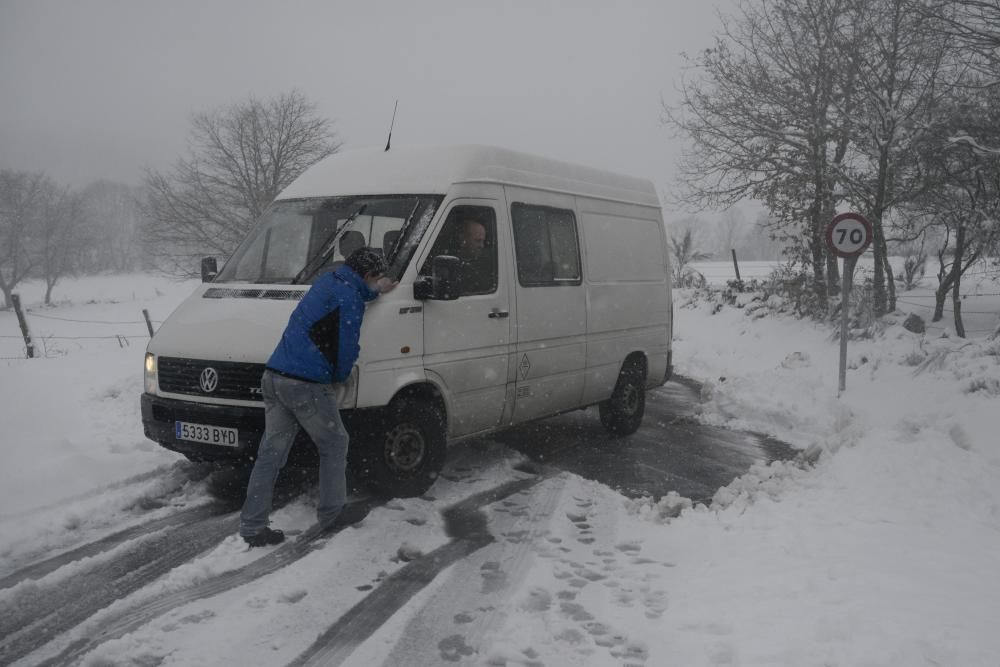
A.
pixel 389 140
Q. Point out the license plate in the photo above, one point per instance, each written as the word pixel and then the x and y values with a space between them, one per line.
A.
pixel 205 433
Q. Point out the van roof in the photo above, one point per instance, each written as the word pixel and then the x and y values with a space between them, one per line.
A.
pixel 432 170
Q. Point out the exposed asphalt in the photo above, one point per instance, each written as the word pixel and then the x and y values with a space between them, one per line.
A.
pixel 670 452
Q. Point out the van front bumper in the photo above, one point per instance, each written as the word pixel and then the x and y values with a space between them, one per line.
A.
pixel 159 417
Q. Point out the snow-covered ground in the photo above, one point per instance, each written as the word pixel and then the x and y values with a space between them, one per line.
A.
pixel 880 551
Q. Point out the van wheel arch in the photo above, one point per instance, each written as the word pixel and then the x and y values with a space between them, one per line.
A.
pixel 622 413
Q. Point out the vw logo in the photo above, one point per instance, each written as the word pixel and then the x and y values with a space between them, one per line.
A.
pixel 209 380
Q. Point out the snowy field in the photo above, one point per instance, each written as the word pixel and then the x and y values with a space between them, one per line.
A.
pixel 877 547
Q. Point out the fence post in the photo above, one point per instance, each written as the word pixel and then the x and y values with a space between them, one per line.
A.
pixel 739 281
pixel 23 323
pixel 149 324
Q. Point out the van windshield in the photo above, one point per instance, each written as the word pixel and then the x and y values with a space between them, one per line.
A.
pixel 297 240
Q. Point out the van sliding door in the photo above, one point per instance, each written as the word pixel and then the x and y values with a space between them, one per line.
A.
pixel 551 304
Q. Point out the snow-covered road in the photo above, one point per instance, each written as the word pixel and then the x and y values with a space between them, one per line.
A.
pixel 881 551
pixel 56 606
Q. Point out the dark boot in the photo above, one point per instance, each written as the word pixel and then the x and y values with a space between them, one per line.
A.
pixel 265 537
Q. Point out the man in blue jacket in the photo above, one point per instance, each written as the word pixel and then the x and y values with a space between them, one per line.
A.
pixel 317 351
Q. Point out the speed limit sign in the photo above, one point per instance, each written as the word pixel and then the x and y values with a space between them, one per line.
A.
pixel 848 234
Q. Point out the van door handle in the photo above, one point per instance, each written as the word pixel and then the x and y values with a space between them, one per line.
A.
pixel 496 313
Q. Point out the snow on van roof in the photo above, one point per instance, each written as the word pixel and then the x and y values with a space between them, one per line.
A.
pixel 432 170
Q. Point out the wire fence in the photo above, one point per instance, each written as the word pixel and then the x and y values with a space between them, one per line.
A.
pixel 67 319
pixel 123 340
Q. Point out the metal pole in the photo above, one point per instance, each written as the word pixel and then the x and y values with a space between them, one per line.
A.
pixel 736 266
pixel 845 308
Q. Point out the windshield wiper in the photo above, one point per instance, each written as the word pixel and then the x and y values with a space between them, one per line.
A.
pixel 328 247
pixel 390 255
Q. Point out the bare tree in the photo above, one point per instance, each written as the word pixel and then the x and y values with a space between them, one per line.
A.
pixel 111 223
pixel 964 203
pixel 21 196
pixel 767 115
pixel 242 156
pixel 905 73
pixel 58 235
pixel 973 26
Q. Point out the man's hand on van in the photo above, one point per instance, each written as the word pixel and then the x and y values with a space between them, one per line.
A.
pixel 386 284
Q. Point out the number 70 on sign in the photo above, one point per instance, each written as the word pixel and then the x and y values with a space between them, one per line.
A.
pixel 848 234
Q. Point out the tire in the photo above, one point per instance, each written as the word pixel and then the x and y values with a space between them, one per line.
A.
pixel 402 454
pixel 622 413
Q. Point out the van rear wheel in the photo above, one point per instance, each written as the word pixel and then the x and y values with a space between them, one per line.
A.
pixel 622 413
pixel 404 452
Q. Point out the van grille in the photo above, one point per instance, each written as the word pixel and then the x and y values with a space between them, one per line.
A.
pixel 251 293
pixel 236 380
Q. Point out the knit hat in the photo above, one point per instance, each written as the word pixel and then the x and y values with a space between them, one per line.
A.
pixel 367 260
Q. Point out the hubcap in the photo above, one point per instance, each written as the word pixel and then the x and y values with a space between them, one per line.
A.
pixel 404 447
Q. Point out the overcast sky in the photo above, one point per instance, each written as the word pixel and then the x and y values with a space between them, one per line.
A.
pixel 101 88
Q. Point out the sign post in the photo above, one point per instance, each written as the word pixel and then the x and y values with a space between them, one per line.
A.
pixel 847 236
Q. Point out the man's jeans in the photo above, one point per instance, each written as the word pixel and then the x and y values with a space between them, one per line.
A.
pixel 289 405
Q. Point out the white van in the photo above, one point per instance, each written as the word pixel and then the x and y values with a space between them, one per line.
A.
pixel 567 305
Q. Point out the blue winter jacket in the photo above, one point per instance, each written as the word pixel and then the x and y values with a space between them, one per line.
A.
pixel 320 343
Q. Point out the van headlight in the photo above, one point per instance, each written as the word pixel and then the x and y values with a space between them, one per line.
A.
pixel 149 373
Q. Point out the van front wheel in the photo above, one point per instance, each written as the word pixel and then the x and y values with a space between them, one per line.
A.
pixel 622 413
pixel 404 453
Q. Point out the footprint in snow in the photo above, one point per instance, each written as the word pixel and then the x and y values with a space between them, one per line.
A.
pixel 453 648
pixel 494 578
pixel 632 651
pixel 189 619
pixel 575 611
pixel 292 597
pixel 538 599
pixel 629 547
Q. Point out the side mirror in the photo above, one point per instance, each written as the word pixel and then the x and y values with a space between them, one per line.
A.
pixel 209 269
pixel 442 285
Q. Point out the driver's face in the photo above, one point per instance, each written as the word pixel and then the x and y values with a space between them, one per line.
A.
pixel 473 239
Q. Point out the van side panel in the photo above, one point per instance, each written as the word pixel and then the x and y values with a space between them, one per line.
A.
pixel 627 291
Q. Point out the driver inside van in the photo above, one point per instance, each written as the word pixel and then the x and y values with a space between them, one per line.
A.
pixel 468 237
pixel 477 274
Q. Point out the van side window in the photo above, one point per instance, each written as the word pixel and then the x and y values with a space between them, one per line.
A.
pixel 469 233
pixel 546 245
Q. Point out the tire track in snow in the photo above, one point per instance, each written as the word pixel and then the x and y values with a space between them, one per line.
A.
pixel 130 618
pixel 31 620
pixel 42 568
pixel 465 523
pixel 454 623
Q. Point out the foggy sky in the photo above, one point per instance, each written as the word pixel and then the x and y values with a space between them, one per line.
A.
pixel 95 89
